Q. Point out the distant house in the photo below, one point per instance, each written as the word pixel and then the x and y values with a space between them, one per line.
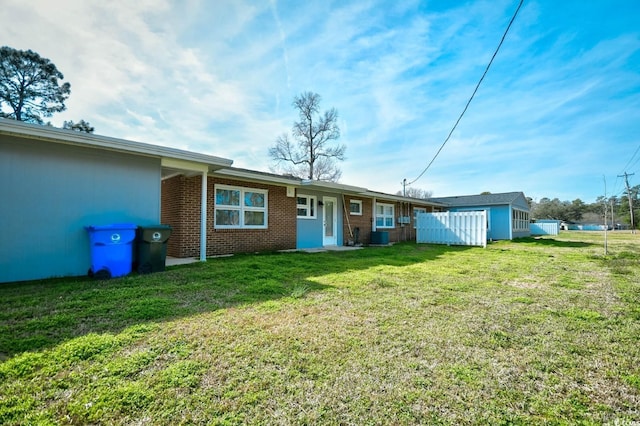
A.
pixel 507 213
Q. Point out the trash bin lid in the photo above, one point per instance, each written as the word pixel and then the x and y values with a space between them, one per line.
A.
pixel 154 234
pixel 111 227
pixel 120 233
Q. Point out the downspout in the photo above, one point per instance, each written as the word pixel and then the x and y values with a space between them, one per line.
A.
pixel 346 215
pixel 203 219
pixel 373 219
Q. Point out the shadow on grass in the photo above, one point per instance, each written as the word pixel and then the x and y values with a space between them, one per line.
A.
pixel 41 314
pixel 547 241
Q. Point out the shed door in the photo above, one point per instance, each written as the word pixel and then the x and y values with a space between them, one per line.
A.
pixel 330 221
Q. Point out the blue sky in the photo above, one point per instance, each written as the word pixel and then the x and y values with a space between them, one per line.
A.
pixel 558 112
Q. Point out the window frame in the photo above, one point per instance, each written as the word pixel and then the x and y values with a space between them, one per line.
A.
pixel 519 220
pixel 356 202
pixel 384 216
pixel 312 204
pixel 241 208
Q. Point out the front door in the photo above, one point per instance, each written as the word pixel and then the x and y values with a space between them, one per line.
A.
pixel 330 221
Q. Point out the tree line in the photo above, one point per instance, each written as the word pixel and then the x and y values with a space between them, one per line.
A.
pixel 616 207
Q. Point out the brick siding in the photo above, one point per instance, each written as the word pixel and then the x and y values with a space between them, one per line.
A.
pixel 181 198
pixel 365 222
pixel 180 209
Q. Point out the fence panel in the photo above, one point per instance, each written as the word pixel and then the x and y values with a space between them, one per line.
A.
pixel 544 228
pixel 453 228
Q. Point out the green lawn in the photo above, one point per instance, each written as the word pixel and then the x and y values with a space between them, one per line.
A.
pixel 535 331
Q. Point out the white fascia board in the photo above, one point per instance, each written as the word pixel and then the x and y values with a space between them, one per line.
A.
pixel 174 163
pixel 322 185
pixel 71 137
pixel 257 176
pixel 389 197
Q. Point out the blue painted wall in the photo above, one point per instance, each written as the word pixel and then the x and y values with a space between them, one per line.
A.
pixel 500 223
pixel 49 192
pixel 310 231
pixel 499 220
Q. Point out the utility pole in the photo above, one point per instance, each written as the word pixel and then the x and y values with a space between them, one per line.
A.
pixel 626 181
pixel 613 222
pixel 604 203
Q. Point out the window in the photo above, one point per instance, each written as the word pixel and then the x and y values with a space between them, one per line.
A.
pixel 306 206
pixel 417 210
pixel 384 215
pixel 355 207
pixel 237 207
pixel 520 220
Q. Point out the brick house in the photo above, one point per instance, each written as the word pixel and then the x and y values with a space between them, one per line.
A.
pixel 249 211
pixel 56 182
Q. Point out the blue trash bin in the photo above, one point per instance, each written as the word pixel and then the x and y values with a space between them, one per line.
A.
pixel 111 249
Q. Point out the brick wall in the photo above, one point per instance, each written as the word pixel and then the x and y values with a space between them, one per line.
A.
pixel 362 222
pixel 181 209
pixel 279 235
pixel 365 222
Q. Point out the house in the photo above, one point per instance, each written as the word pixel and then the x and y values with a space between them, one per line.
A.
pixel 252 211
pixel 507 213
pixel 55 182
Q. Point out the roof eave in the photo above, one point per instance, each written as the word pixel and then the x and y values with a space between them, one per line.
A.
pixel 323 185
pixel 71 137
pixel 257 176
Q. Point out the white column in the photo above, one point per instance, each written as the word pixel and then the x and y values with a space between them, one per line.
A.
pixel 203 219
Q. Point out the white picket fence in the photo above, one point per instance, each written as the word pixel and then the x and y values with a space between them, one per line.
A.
pixel 453 228
pixel 544 228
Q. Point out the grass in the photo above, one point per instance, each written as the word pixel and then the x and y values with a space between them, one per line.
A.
pixel 534 331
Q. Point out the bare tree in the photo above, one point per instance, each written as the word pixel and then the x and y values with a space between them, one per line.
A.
pixel 308 153
pixel 422 194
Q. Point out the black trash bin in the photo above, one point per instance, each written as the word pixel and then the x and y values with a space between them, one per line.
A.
pixel 152 248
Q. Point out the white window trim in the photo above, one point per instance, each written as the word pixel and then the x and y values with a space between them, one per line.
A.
pixel 520 220
pixel 310 198
pixel 241 208
pixel 359 202
pixel 393 216
pixel 417 210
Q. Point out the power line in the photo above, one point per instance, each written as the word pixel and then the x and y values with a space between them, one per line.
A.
pixel 628 166
pixel 472 95
pixel 631 159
